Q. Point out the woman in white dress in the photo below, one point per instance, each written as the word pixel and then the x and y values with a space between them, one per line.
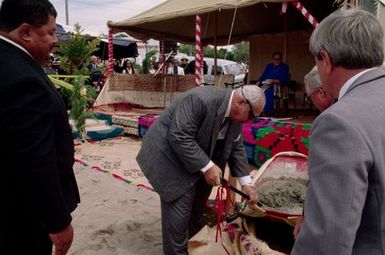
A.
pixel 128 68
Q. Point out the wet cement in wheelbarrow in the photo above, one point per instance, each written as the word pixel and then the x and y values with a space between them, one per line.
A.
pixel 286 196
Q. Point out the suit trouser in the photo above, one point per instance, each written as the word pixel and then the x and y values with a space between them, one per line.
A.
pixel 182 218
pixel 21 238
pixel 269 95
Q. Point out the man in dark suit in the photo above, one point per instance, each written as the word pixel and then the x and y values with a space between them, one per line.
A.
pixel 185 153
pixel 344 209
pixel 38 190
pixel 190 68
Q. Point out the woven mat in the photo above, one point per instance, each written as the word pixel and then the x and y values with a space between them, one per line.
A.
pixel 115 157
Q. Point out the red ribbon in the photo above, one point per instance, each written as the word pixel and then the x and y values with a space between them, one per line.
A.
pixel 221 203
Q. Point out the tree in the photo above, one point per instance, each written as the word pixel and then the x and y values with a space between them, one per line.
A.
pixel 147 60
pixel 241 52
pixel 222 53
pixel 187 49
pixel 76 53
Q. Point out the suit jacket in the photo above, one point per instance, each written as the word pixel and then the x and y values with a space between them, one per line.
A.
pixel 181 142
pixel 170 70
pixel 37 181
pixel 345 200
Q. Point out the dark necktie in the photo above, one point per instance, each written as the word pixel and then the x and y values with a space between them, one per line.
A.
pixel 175 70
pixel 224 127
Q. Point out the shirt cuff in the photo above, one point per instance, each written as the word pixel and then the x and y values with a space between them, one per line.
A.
pixel 245 180
pixel 207 167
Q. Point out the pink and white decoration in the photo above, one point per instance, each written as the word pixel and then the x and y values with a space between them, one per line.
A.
pixel 305 13
pixel 110 53
pixel 198 52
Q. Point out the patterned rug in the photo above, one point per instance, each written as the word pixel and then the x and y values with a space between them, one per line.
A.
pixel 263 138
pixel 115 157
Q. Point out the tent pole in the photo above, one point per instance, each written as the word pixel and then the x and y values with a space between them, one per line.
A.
pixel 165 90
pixel 66 7
pixel 198 51
pixel 110 52
pixel 215 45
pixel 285 40
pixel 285 99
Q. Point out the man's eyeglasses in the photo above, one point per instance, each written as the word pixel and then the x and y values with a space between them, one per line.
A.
pixel 277 58
pixel 251 113
pixel 308 99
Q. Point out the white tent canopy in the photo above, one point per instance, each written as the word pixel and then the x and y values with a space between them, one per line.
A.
pixel 175 19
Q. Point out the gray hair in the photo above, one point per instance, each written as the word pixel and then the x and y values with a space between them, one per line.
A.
pixel 353 38
pixel 312 81
pixel 254 95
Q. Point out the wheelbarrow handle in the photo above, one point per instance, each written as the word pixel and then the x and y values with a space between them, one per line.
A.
pixel 224 182
pixel 232 217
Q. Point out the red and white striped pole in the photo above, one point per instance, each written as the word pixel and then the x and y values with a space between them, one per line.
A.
pixel 198 51
pixel 306 13
pixel 110 53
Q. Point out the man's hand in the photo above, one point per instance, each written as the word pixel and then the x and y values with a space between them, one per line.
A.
pixel 249 190
pixel 213 176
pixel 62 240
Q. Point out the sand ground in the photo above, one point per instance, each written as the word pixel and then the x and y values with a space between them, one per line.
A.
pixel 114 218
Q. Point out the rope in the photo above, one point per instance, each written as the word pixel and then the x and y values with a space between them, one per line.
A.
pixel 229 40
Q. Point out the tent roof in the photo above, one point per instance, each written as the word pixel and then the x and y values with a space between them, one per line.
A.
pixel 175 19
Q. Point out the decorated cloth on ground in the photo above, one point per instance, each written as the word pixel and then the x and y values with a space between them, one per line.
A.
pixel 235 239
pixel 145 123
pixel 115 157
pixel 129 124
pixel 263 138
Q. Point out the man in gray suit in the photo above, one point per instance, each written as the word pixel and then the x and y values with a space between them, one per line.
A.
pixel 344 206
pixel 185 152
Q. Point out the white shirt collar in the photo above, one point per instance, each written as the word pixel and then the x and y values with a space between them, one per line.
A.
pixel 15 44
pixel 349 82
pixel 227 113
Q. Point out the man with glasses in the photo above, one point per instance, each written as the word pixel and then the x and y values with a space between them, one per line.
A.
pixel 314 91
pixel 185 152
pixel 275 75
pixel 322 100
pixel 344 208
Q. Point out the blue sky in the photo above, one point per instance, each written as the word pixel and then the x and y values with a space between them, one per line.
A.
pixel 93 15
